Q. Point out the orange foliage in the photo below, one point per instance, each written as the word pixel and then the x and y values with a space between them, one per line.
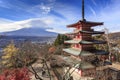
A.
pixel 52 49
pixel 15 74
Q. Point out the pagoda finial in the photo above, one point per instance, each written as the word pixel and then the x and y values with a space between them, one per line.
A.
pixel 83 12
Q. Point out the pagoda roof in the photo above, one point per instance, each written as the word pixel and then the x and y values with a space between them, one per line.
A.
pixel 99 52
pixel 87 23
pixel 76 52
pixel 85 42
pixel 92 32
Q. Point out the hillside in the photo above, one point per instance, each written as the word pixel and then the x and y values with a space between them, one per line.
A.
pixel 115 35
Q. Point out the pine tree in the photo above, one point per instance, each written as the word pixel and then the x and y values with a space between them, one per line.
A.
pixel 57 41
pixel 60 39
pixel 8 57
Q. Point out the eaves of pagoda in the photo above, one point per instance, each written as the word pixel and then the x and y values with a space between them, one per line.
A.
pixel 85 42
pixel 85 32
pixel 85 24
pixel 76 52
pixel 91 52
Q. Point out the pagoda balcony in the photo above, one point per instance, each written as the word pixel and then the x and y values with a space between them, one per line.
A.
pixel 77 52
pixel 85 32
pixel 76 30
pixel 75 41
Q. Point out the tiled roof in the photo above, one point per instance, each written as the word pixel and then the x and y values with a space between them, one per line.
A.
pixel 92 42
pixel 87 23
pixel 85 42
pixel 91 32
pixel 99 52
pixel 77 52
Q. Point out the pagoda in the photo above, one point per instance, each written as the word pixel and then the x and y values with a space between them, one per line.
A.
pixel 82 46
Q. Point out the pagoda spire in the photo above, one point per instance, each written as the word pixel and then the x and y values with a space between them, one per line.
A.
pixel 83 11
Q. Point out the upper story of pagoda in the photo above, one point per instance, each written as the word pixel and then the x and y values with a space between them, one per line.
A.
pixel 84 27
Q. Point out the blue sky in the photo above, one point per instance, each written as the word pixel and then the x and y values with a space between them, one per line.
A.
pixel 54 15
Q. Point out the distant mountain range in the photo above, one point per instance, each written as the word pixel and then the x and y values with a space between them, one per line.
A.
pixel 42 32
pixel 115 35
pixel 30 32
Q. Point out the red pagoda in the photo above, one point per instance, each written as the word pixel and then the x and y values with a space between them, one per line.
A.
pixel 82 45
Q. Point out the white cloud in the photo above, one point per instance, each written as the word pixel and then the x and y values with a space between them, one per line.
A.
pixel 2 4
pixel 41 8
pixel 57 24
pixel 35 23
pixel 110 15
pixel 49 23
pixel 94 2
pixel 5 21
pixel 93 11
pixel 45 9
pixel 52 1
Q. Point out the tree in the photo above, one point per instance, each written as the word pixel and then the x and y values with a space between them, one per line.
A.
pixel 9 55
pixel 108 42
pixel 60 39
pixel 101 46
pixel 42 63
pixel 57 41
pixel 27 54
pixel 52 49
pixel 15 74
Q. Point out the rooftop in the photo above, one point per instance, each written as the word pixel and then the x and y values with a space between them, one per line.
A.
pixel 91 32
pixel 76 52
pixel 91 52
pixel 86 24
pixel 85 42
